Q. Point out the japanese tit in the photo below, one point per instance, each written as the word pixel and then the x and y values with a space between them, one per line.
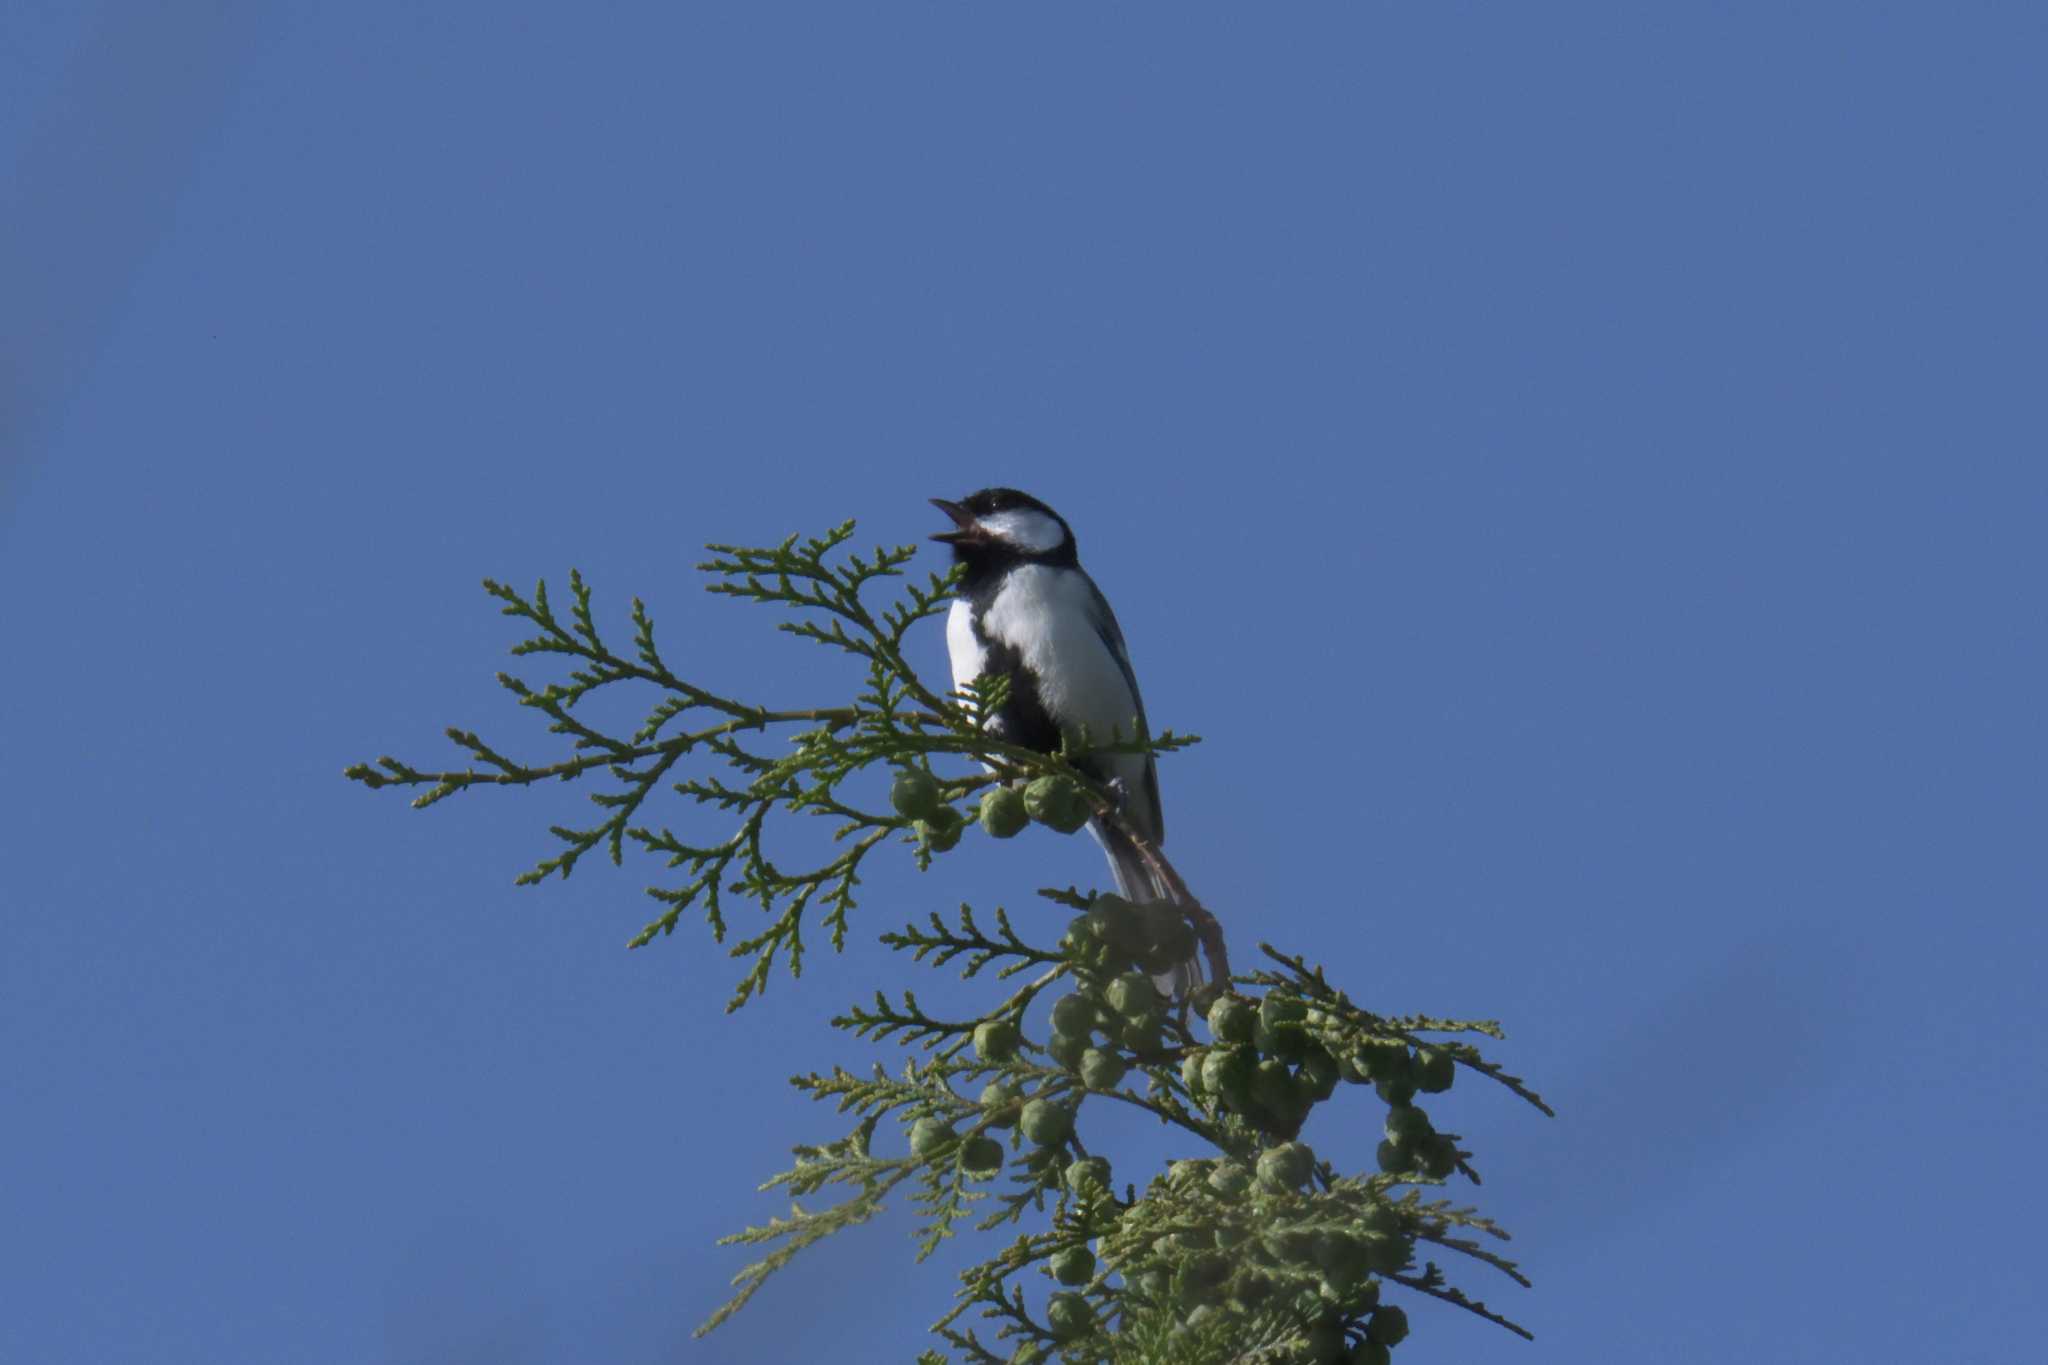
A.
pixel 1026 608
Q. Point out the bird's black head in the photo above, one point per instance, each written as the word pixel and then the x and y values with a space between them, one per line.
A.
pixel 998 527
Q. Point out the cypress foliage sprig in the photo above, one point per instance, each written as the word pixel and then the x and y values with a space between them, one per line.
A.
pixel 1249 1245
pixel 893 720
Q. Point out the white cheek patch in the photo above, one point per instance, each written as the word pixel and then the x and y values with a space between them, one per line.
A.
pixel 1031 532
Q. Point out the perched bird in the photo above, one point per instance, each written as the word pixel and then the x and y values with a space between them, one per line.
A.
pixel 1029 610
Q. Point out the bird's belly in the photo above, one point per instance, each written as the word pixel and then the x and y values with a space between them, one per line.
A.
pixel 1046 617
pixel 1040 627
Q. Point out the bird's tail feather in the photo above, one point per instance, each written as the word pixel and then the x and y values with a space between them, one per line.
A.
pixel 1138 883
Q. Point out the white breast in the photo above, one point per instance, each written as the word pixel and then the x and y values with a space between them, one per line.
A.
pixel 964 651
pixel 1049 616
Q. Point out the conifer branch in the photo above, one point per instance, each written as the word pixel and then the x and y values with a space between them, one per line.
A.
pixel 1431 1282
pixel 1260 1251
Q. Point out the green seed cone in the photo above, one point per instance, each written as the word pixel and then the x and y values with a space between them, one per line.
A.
pixel 1133 996
pixel 1074 1014
pixel 1232 1019
pixel 1227 1075
pixel 1101 1069
pixel 999 1099
pixel 981 1157
pixel 1287 1040
pixel 1388 1325
pixel 1089 1172
pixel 1274 1091
pixel 1319 1073
pixel 1230 1182
pixel 995 1040
pixel 928 1137
pixel 1275 1010
pixel 1386 1059
pixel 1146 1037
pixel 1345 1260
pixel 914 794
pixel 1434 1071
pixel 1002 812
pixel 1069 1316
pixel 1286 1167
pixel 1168 941
pixel 1407 1125
pixel 1046 1123
pixel 1057 804
pixel 1073 1265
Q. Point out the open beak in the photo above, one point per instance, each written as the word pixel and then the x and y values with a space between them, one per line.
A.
pixel 963 523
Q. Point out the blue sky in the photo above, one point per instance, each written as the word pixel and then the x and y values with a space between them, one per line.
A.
pixel 1579 466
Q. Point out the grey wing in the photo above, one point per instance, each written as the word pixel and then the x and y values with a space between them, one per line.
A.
pixel 1112 636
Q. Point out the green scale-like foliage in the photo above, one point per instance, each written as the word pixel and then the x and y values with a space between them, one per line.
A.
pixel 1250 1246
